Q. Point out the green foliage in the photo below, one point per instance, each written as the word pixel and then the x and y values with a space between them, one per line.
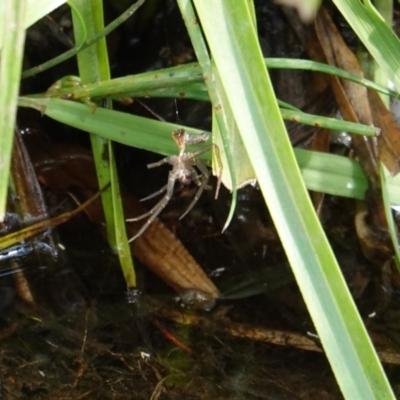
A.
pixel 94 67
pixel 243 102
pixel 233 41
pixel 10 69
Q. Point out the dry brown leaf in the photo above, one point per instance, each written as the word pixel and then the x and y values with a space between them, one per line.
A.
pixel 338 53
pixel 389 139
pixel 354 106
pixel 352 98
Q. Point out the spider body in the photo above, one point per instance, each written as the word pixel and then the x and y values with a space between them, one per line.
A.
pixel 184 169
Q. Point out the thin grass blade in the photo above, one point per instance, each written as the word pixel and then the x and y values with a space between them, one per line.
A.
pixel 233 41
pixel 94 67
pixel 10 69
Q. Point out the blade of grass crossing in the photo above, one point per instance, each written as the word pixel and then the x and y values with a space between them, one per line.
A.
pixel 322 172
pixel 89 72
pixel 384 173
pixel 12 28
pixel 35 9
pixel 214 92
pixel 377 37
pixel 94 67
pixel 88 42
pixel 233 41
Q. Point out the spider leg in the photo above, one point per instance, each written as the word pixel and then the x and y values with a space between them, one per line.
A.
pixel 203 150
pixel 195 177
pixel 203 186
pixel 155 211
pixel 142 216
pixel 165 160
pixel 204 172
pixel 214 147
pixel 162 190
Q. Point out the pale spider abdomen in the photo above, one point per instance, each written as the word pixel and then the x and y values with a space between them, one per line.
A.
pixel 184 177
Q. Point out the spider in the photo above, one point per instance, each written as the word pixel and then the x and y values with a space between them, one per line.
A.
pixel 183 170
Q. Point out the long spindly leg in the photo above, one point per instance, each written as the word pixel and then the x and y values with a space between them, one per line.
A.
pixel 195 176
pixel 214 147
pixel 142 216
pixel 162 190
pixel 204 181
pixel 165 160
pixel 159 163
pixel 203 169
pixel 156 209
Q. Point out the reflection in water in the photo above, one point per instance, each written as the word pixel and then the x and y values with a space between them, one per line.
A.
pixel 251 283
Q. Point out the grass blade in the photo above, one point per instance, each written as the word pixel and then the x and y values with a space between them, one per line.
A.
pixel 322 172
pixel 35 10
pixel 377 37
pixel 10 70
pixel 94 67
pixel 233 41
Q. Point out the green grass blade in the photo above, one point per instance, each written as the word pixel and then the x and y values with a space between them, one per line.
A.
pixel 132 130
pixel 35 10
pixel 384 174
pixel 173 82
pixel 328 123
pixel 220 108
pixel 94 67
pixel 123 249
pixel 88 42
pixel 233 42
pixel 377 37
pixel 336 175
pixel 309 65
pixel 182 80
pixel 322 172
pixel 89 70
pixel 13 16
